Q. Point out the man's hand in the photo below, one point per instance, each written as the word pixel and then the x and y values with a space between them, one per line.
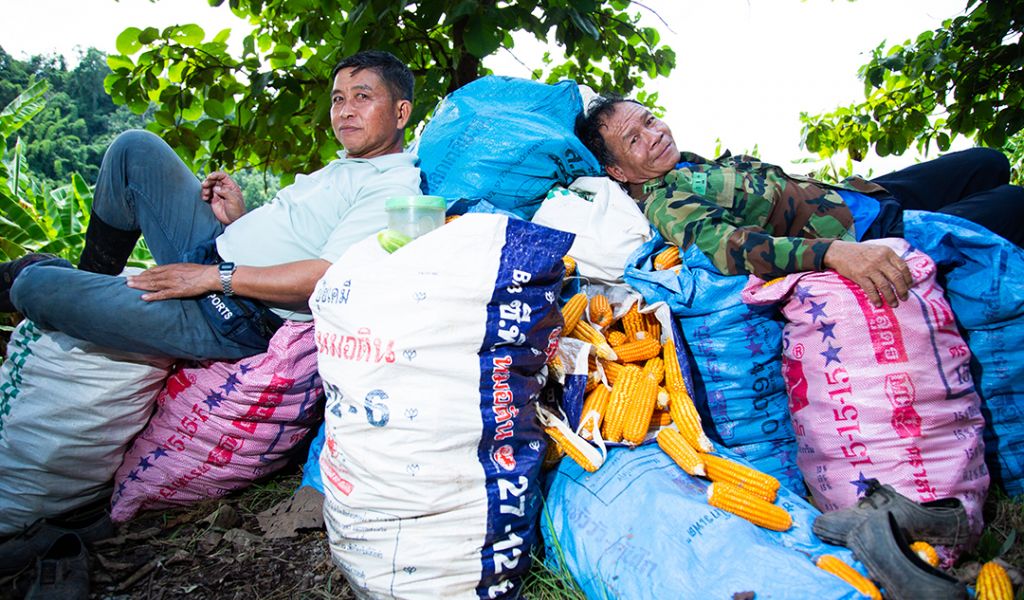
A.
pixel 224 196
pixel 179 280
pixel 876 269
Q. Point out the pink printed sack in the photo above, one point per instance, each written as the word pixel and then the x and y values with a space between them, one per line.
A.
pixel 218 428
pixel 880 393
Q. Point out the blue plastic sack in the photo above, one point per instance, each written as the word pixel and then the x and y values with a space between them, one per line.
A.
pixel 499 144
pixel 640 527
pixel 736 351
pixel 311 471
pixel 984 281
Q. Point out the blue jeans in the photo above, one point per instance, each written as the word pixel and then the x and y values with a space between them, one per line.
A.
pixel 142 185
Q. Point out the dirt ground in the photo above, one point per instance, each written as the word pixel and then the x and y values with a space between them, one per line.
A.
pixel 212 550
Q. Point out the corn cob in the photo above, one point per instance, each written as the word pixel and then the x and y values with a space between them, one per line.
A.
pixel 639 410
pixel 652 326
pixel 450 218
pixel 632 322
pixel 552 456
pixel 570 450
pixel 593 380
pixel 663 399
pixel 586 332
pixel 570 265
pixel 676 447
pixel 655 367
pixel 659 419
pixel 601 311
pixel 926 552
pixel 572 311
pixel 742 503
pixel 993 583
pixel 835 566
pixel 639 350
pixel 685 416
pixel 612 370
pixel 556 367
pixel 755 482
pixel 667 258
pixel 673 372
pixel 615 415
pixel 597 403
pixel 616 338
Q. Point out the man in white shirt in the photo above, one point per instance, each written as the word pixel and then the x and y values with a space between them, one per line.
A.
pixel 225 278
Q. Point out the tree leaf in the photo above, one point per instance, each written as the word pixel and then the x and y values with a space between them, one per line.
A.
pixel 127 42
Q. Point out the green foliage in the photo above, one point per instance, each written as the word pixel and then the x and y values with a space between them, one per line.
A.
pixel 964 78
pixel 34 215
pixel 268 108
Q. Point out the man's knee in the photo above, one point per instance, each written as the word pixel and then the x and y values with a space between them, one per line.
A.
pixel 988 163
pixel 33 287
pixel 135 141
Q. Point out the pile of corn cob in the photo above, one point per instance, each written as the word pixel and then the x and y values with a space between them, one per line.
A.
pixel 647 394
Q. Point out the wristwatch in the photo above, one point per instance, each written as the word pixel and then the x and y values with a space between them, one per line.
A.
pixel 226 271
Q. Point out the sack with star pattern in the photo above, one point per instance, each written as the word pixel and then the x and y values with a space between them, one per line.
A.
pixel 220 427
pixel 882 393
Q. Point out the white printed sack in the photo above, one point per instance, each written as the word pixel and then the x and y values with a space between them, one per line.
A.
pixel 431 359
pixel 608 225
pixel 882 393
pixel 68 410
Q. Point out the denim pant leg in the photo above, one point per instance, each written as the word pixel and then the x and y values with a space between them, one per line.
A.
pixel 102 309
pixel 143 185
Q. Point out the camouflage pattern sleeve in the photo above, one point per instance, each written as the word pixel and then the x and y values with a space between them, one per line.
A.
pixel 735 248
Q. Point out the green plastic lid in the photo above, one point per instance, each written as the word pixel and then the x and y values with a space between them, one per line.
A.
pixel 428 202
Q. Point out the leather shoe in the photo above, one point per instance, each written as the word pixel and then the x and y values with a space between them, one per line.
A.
pixel 63 572
pixel 881 546
pixel 10 270
pixel 21 550
pixel 941 522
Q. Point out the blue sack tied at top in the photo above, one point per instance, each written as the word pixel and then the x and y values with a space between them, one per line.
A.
pixel 499 144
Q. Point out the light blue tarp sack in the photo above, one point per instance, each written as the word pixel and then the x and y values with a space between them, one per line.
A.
pixel 499 144
pixel 311 471
pixel 640 527
pixel 984 281
pixel 736 351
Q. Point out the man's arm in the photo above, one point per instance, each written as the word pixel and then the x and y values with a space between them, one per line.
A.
pixel 739 249
pixel 287 285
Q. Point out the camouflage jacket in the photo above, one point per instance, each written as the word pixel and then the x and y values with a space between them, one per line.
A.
pixel 750 217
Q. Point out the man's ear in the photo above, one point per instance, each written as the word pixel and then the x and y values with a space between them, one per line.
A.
pixel 616 173
pixel 403 110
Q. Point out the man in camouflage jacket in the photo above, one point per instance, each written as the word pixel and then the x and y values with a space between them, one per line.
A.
pixel 750 217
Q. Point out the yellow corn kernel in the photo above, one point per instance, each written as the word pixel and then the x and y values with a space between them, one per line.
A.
pixel 676 447
pixel 632 322
pixel 556 367
pixel 570 265
pixel 593 380
pixel 721 469
pixel 612 370
pixel 673 372
pixel 742 503
pixel 655 367
pixel 835 566
pixel 552 456
pixel 663 399
pixel 615 415
pixel 926 552
pixel 616 338
pixel 652 326
pixel 685 416
pixel 572 311
pixel 571 451
pixel 596 402
pixel 586 332
pixel 667 258
pixel 639 410
pixel 639 350
pixel 993 583
pixel 660 418
pixel 601 311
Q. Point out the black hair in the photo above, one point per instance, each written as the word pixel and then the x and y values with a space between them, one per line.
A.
pixel 396 76
pixel 589 123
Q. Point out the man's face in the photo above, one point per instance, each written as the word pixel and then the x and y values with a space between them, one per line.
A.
pixel 641 144
pixel 366 119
